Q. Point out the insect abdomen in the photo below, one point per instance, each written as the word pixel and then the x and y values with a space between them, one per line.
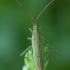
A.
pixel 40 64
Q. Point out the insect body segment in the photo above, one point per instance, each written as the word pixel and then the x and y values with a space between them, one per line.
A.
pixel 36 44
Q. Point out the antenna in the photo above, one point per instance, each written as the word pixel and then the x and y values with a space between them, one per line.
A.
pixel 44 9
pixel 30 13
pixel 26 10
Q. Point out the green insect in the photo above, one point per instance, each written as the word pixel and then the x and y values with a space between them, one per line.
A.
pixel 38 48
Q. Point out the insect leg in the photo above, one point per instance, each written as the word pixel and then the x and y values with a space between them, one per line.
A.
pixel 29 38
pixel 30 30
pixel 46 63
pixel 24 52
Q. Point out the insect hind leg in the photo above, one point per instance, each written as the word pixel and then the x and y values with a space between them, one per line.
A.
pixel 24 52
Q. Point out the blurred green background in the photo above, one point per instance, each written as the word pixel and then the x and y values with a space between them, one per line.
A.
pixel 14 24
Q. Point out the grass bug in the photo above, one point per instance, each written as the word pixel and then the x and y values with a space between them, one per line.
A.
pixel 37 46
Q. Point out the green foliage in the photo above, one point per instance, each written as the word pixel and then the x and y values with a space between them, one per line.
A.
pixel 29 61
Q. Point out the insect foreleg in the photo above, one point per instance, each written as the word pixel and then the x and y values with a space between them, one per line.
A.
pixel 24 52
pixel 30 30
pixel 29 38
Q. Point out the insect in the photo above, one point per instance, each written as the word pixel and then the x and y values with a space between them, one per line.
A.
pixel 37 41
